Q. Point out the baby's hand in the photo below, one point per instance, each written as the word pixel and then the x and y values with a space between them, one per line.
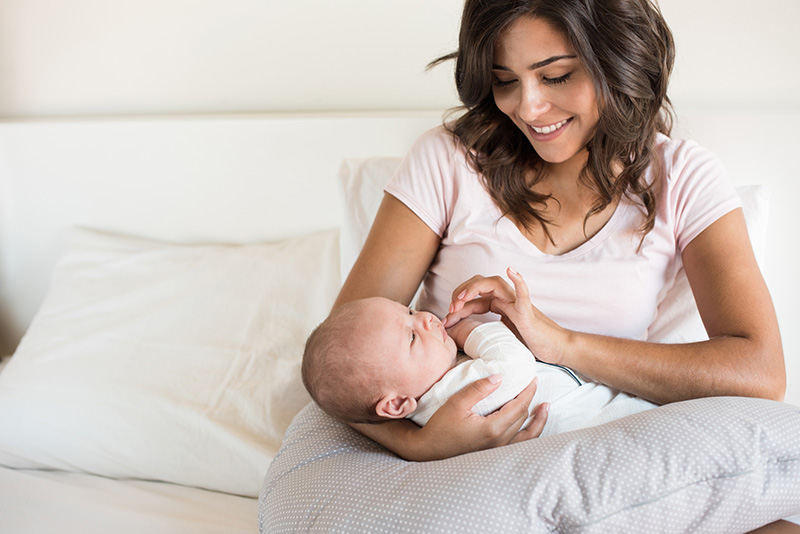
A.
pixel 461 331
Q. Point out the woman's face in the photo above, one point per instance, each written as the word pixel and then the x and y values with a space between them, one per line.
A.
pixel 542 86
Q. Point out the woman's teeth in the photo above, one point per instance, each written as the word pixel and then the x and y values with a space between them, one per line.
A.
pixel 549 129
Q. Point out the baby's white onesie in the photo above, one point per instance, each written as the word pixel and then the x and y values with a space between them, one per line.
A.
pixel 492 348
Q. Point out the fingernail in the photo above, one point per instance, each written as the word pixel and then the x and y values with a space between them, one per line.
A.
pixel 461 295
pixel 546 407
pixel 494 379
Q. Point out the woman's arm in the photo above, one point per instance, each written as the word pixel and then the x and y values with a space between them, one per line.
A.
pixel 396 255
pixel 743 356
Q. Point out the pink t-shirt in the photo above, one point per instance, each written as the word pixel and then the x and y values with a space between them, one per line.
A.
pixel 604 286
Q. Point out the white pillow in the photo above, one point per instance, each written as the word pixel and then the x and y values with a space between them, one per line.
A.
pixel 362 180
pixel 677 320
pixel 167 362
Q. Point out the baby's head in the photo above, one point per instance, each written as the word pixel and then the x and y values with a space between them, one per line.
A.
pixel 373 358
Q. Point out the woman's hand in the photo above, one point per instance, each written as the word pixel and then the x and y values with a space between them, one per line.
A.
pixel 482 294
pixel 455 429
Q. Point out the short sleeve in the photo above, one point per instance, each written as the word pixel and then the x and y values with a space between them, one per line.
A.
pixel 700 191
pixel 425 180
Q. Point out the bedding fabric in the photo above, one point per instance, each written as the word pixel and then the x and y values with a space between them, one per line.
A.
pixel 178 363
pixel 34 502
pixel 722 464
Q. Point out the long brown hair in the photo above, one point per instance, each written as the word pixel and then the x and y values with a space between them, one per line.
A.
pixel 628 50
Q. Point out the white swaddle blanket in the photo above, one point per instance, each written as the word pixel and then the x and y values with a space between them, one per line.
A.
pixel 493 349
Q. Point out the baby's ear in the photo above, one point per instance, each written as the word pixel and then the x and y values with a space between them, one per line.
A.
pixel 396 406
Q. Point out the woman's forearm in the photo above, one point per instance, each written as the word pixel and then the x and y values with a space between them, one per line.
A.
pixel 401 437
pixel 743 357
pixel 662 373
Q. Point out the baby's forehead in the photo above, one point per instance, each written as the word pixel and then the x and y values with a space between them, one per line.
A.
pixel 382 318
pixel 382 307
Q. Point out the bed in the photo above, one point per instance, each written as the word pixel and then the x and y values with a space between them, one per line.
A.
pixel 159 275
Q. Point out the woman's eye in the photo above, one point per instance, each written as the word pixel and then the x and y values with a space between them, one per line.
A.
pixel 557 81
pixel 502 83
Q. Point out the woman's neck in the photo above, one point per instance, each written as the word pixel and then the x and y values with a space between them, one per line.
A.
pixel 571 200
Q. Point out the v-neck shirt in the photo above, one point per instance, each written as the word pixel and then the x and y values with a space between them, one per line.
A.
pixel 605 285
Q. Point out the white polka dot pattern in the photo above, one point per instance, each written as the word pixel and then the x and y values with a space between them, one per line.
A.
pixel 722 465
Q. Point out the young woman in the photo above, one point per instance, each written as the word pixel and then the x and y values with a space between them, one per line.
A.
pixel 561 166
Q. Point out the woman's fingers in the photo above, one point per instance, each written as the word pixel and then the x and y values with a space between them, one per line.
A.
pixel 472 394
pixel 510 418
pixel 490 288
pixel 467 431
pixel 534 430
pixel 520 287
pixel 455 429
pixel 473 307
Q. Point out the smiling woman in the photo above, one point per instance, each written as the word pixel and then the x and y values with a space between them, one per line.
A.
pixel 561 165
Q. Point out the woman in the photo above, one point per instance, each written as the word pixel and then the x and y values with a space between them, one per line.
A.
pixel 560 167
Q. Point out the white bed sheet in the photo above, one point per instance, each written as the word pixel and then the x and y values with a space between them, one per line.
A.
pixel 72 503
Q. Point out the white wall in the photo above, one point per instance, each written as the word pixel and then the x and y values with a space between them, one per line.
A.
pixel 81 57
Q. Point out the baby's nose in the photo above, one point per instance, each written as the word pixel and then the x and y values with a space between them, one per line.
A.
pixel 427 321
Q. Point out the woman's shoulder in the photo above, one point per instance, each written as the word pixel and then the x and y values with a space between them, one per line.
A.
pixel 682 157
pixel 697 188
pixel 441 139
pixel 439 151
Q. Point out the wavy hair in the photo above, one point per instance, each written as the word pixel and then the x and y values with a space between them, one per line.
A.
pixel 628 50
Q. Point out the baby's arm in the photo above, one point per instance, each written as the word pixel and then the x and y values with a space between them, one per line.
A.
pixel 494 342
pixel 461 331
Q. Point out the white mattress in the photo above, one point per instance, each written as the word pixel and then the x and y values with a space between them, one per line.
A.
pixel 73 503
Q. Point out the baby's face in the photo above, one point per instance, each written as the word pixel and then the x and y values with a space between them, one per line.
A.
pixel 414 345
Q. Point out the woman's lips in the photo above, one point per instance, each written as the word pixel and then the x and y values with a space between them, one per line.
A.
pixel 548 132
pixel 551 128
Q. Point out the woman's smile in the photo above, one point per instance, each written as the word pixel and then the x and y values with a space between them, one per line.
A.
pixel 551 128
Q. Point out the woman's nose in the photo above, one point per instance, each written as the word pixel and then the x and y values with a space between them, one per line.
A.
pixel 532 103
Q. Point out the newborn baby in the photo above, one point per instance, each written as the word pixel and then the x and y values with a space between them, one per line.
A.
pixel 375 360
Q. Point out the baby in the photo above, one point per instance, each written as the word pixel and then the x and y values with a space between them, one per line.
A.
pixel 374 360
